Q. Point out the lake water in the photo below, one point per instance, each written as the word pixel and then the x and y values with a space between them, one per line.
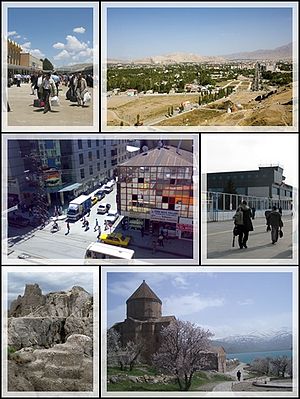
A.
pixel 248 357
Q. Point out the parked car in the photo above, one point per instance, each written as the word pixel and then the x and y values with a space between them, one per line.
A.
pixel 94 200
pixel 18 220
pixel 111 217
pixel 103 208
pixel 108 188
pixel 115 239
pixel 100 194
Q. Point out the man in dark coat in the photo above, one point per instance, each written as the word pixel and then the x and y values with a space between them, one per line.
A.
pixel 274 220
pixel 246 226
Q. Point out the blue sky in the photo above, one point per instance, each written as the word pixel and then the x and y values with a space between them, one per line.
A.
pixel 48 282
pixel 226 303
pixel 140 32
pixel 49 32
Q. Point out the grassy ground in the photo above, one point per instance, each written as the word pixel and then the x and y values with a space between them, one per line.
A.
pixel 202 381
pixel 195 118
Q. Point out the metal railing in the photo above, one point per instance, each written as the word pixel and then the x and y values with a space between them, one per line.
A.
pixel 222 206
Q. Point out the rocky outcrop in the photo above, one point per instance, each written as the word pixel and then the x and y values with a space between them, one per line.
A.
pixel 53 336
pixel 149 379
pixel 35 331
pixel 43 320
pixel 64 367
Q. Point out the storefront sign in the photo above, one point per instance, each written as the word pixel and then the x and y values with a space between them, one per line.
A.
pixel 52 178
pixel 163 215
pixel 185 227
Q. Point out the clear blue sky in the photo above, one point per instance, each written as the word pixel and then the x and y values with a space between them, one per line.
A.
pixel 226 303
pixel 48 282
pixel 140 32
pixel 44 27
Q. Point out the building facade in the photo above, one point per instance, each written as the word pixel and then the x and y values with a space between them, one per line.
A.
pixel 66 167
pixel 155 191
pixel 267 181
pixel 13 53
pixel 28 60
pixel 144 322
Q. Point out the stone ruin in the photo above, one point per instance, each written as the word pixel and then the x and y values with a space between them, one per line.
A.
pixel 52 336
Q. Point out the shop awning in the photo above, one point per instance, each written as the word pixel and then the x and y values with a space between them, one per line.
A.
pixel 70 188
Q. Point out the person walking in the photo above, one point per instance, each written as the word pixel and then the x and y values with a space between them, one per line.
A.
pixel 86 225
pixel 142 231
pixel 238 374
pixel 275 221
pixel 267 213
pixel 56 80
pixel 280 210
pixel 253 212
pixel 242 220
pixel 33 80
pixel 49 89
pixel 80 90
pixel 96 225
pixel 68 228
pixel 161 240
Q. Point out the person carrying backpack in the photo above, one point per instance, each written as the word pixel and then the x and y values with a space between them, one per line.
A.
pixel 243 223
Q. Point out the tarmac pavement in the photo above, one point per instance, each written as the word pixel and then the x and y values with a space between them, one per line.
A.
pixel 219 241
pixel 42 244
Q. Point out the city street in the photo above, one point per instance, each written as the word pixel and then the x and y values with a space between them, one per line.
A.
pixel 219 241
pixel 42 244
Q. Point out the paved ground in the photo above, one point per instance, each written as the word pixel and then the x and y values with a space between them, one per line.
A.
pixel 41 243
pixel 219 242
pixel 227 386
pixel 67 114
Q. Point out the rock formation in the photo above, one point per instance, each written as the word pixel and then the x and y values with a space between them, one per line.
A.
pixel 53 337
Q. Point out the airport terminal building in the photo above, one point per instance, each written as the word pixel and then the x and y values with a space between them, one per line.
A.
pixel 266 182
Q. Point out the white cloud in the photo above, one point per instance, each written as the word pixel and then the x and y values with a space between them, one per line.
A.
pixel 183 305
pixel 12 33
pixel 62 55
pixel 26 46
pixel 37 53
pixel 25 38
pixel 73 44
pixel 79 30
pixel 58 45
pixel 17 37
pixel 180 282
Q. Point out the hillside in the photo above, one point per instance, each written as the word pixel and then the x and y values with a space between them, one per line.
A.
pixel 282 53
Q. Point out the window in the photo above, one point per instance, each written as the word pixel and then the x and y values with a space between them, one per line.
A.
pixel 104 152
pixel 140 180
pixel 97 143
pixel 90 155
pixel 82 173
pixel 105 164
pixel 134 197
pixel 81 159
pixel 165 199
pixel 98 167
pixel 89 143
pixel 91 169
pixel 98 154
pixel 79 144
pixel 104 142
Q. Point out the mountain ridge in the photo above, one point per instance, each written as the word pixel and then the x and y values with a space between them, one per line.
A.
pixel 281 52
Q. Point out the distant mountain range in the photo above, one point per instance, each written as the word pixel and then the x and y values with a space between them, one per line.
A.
pixel 279 53
pixel 283 52
pixel 257 342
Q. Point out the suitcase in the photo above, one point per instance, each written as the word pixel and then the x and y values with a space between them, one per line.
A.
pixel 38 103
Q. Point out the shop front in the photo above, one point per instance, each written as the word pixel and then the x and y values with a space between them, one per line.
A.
pixel 185 228
pixel 163 221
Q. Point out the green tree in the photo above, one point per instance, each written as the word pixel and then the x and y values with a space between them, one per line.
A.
pixel 47 65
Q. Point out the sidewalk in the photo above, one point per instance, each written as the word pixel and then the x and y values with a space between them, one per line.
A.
pixel 173 246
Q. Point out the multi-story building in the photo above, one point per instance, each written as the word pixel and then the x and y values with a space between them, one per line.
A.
pixel 155 191
pixel 66 167
pixel 29 60
pixel 267 181
pixel 13 53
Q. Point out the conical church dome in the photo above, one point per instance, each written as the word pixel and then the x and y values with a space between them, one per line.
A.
pixel 143 304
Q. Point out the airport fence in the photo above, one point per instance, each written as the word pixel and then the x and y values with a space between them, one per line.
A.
pixel 222 206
